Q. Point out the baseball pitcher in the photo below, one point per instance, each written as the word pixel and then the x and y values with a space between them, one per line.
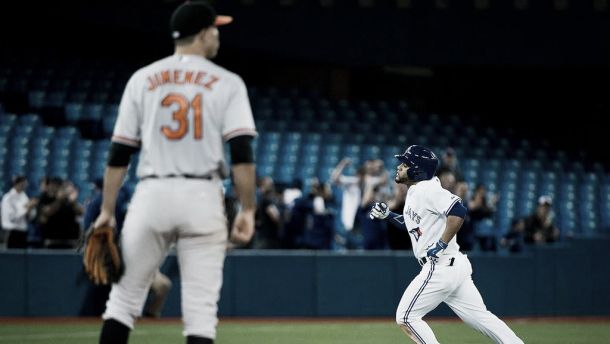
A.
pixel 432 216
pixel 178 112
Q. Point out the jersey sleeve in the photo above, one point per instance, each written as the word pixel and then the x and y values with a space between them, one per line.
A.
pixel 441 200
pixel 127 126
pixel 238 119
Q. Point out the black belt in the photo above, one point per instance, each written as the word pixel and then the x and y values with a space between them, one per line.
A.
pixel 187 176
pixel 422 261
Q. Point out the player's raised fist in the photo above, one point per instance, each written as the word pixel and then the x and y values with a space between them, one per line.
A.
pixel 379 211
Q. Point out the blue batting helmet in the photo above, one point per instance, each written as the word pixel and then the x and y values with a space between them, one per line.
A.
pixel 422 162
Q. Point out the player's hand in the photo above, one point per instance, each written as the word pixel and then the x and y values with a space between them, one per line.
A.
pixel 435 251
pixel 379 211
pixel 105 219
pixel 243 227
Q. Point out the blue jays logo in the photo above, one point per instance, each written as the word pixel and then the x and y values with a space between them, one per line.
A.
pixel 416 232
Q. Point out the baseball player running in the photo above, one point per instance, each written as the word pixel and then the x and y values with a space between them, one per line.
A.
pixel 178 111
pixel 432 216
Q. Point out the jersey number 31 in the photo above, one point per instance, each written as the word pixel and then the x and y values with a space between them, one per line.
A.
pixel 180 116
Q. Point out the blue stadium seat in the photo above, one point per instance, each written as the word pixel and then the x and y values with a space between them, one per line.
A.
pixel 8 119
pixel 108 123
pixel 306 114
pixel 308 161
pixel 265 170
pixel 56 98
pixel 285 174
pixel 43 132
pixel 73 112
pixel 371 152
pixel 31 120
pixel 93 111
pixel 36 99
pixel 312 138
pixel 24 130
pixel 350 150
pixel 292 137
pixel 309 149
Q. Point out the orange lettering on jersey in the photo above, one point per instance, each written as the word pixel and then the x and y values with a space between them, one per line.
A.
pixel 188 76
pixel 152 83
pixel 198 120
pixel 178 116
pixel 177 80
pixel 213 80
pixel 165 77
pixel 199 78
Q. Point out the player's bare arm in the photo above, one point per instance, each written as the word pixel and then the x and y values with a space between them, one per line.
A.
pixel 336 173
pixel 116 169
pixel 243 225
pixel 455 219
pixel 244 178
pixel 454 223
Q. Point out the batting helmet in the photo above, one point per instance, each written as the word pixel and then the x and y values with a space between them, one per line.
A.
pixel 422 162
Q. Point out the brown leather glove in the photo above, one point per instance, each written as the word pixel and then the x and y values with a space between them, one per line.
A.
pixel 102 256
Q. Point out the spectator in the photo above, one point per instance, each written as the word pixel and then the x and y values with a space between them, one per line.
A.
pixel 352 188
pixel 292 192
pixel 16 209
pixel 514 238
pixel 268 217
pixel 466 236
pixel 58 221
pixel 95 203
pixel 448 180
pixel 352 192
pixel 35 235
pixel 318 231
pixel 375 189
pixel 449 162
pixel 479 209
pixel 398 239
pixel 539 227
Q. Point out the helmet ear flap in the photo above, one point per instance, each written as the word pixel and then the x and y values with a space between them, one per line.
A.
pixel 416 174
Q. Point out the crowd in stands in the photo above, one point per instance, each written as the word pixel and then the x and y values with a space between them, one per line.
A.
pixel 50 219
pixel 333 214
pixel 313 214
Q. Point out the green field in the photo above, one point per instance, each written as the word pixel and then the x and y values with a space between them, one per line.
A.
pixel 301 332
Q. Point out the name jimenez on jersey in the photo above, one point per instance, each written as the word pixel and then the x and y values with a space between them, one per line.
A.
pixel 181 77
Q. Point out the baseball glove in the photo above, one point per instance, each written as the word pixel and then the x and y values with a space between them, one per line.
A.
pixel 102 255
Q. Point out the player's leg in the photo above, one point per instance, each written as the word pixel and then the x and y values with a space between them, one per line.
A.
pixel 467 303
pixel 201 260
pixel 422 295
pixel 143 248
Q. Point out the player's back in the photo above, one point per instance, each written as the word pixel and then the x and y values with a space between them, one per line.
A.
pixel 181 102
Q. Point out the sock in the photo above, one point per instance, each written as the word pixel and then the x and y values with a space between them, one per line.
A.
pixel 114 332
pixel 198 340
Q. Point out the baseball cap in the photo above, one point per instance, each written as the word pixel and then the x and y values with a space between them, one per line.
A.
pixel 545 200
pixel 193 16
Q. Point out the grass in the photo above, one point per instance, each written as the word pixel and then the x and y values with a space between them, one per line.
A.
pixel 300 332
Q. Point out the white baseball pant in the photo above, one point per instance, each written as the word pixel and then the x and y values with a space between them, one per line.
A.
pixel 189 212
pixel 449 280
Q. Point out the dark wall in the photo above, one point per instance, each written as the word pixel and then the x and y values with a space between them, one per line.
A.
pixel 345 33
pixel 564 281
pixel 540 69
